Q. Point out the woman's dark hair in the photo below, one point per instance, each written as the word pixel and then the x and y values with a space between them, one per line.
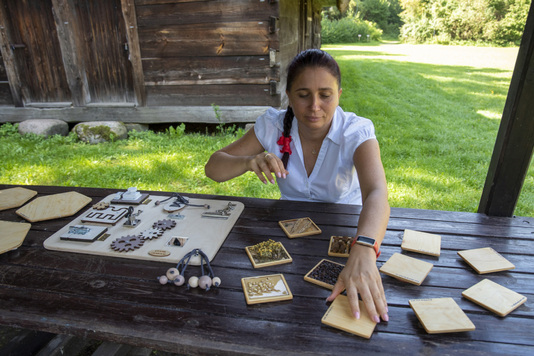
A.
pixel 308 58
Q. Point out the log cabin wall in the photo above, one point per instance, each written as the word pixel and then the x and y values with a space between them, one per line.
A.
pixel 151 61
pixel 103 45
pixel 33 56
pixel 209 52
pixel 5 92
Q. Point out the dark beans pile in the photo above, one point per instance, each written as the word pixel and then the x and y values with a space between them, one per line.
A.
pixel 327 272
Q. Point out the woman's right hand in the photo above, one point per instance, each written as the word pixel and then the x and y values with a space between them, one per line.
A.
pixel 265 165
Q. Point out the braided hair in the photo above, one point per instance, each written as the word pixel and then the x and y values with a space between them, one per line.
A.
pixel 308 58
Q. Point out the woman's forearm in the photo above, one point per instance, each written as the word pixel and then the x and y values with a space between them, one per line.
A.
pixel 222 166
pixel 374 216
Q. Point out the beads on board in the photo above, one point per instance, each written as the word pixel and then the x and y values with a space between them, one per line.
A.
pixel 176 275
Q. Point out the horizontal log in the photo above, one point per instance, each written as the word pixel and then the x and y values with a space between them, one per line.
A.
pixel 164 13
pixel 162 2
pixel 210 70
pixel 220 39
pixel 222 95
pixel 145 115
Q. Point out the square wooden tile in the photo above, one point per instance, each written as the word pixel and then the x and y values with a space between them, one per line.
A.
pixel 406 268
pixel 421 242
pixel 494 297
pixel 486 260
pixel 265 289
pixel 281 258
pixel 340 246
pixel 339 316
pixel 441 315
pixel 299 227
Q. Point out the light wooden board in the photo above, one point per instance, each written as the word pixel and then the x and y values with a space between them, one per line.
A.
pixel 441 315
pixel 266 289
pixel 299 227
pixel 406 268
pixel 343 241
pixel 12 235
pixel 256 264
pixel 339 316
pixel 486 260
pixel 207 234
pixel 494 297
pixel 421 242
pixel 326 268
pixel 53 206
pixel 15 197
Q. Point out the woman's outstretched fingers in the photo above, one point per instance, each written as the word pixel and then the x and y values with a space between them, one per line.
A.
pixel 338 288
pixel 264 165
pixel 375 302
pixel 275 164
pixel 254 167
pixel 352 294
pixel 369 303
pixel 381 302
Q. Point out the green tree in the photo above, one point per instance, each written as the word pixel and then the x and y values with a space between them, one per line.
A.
pixel 385 13
pixel 375 10
pixel 494 21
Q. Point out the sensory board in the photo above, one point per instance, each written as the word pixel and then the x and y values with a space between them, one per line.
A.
pixel 157 235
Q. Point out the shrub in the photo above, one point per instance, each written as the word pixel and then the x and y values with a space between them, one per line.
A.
pixel 346 30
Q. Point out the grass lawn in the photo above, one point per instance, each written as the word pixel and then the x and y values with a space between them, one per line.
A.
pixel 436 123
pixel 436 118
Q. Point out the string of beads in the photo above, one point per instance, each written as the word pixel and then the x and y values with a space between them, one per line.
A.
pixel 176 275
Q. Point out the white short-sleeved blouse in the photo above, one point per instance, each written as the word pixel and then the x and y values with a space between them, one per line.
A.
pixel 334 178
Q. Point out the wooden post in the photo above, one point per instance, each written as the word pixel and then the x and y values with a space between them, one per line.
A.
pixel 9 57
pixel 72 59
pixel 515 139
pixel 130 20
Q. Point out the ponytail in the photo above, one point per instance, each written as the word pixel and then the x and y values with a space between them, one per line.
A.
pixel 285 139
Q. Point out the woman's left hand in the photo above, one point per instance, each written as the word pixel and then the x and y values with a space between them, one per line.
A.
pixel 361 276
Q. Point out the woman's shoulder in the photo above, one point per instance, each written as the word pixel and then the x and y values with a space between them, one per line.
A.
pixel 271 117
pixel 349 118
pixel 351 124
pixel 269 125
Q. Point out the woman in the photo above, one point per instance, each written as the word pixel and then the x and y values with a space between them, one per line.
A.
pixel 325 155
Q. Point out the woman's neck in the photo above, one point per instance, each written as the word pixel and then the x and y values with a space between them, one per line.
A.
pixel 313 137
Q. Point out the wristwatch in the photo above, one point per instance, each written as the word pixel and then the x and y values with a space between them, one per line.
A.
pixel 367 241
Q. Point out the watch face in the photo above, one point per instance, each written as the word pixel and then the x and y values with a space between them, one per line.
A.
pixel 366 240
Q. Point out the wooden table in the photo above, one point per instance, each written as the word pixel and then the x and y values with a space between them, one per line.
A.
pixel 120 300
